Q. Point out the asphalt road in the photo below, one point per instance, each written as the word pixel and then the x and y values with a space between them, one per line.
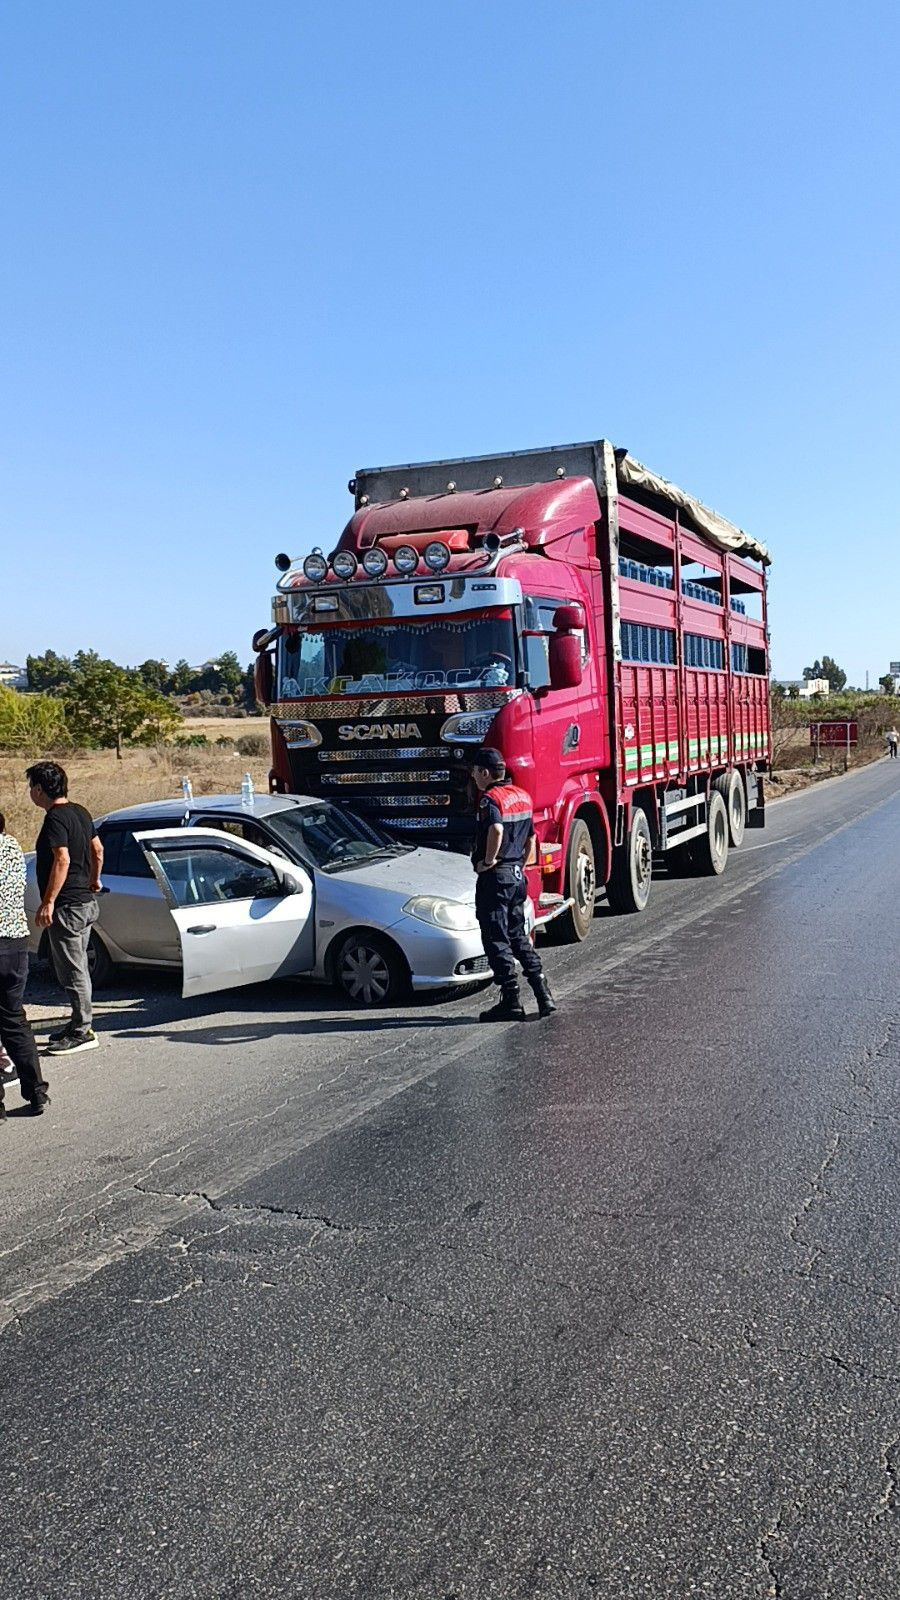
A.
pixel 298 1304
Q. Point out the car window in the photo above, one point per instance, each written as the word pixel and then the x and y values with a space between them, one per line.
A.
pixel 132 863
pixel 237 828
pixel 206 875
pixel 111 840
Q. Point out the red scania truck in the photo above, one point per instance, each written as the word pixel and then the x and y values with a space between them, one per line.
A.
pixel 603 629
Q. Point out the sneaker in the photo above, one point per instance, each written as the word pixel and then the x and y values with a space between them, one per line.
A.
pixel 71 1043
pixel 8 1076
pixel 38 1104
pixel 61 1033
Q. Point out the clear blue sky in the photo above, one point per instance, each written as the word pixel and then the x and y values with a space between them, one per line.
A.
pixel 250 247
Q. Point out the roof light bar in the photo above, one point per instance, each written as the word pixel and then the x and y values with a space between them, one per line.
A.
pixel 437 556
pixel 406 559
pixel 315 567
pixel 375 563
pixel 343 564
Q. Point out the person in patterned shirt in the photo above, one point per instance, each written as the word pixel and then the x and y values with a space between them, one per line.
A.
pixel 16 1036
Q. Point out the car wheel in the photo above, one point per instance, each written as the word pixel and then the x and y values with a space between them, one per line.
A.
pixel 101 966
pixel 370 970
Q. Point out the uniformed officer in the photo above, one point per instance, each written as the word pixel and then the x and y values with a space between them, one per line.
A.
pixel 504 836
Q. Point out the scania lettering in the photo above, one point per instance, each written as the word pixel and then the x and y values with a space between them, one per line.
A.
pixel 379 730
pixel 602 628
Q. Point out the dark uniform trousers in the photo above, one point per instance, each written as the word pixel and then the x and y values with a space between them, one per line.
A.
pixel 500 897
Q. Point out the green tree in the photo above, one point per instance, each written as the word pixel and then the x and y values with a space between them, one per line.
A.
pixel 154 674
pixel 180 680
pixel 230 672
pixel 48 673
pixel 827 668
pixel 107 705
pixel 31 722
pixel 836 675
pixel 248 689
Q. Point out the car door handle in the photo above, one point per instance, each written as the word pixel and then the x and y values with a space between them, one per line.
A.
pixel 203 927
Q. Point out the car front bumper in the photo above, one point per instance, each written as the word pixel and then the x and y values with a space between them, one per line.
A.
pixel 437 957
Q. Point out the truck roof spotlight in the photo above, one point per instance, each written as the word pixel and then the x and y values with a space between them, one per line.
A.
pixel 315 567
pixel 375 563
pixel 282 562
pixel 437 556
pixel 406 559
pixel 343 564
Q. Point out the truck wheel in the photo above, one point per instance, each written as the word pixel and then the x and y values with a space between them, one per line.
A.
pixel 369 969
pixel 632 869
pixel 581 883
pixel 731 787
pixel 710 852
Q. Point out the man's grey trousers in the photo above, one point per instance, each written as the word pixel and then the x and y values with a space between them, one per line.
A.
pixel 69 935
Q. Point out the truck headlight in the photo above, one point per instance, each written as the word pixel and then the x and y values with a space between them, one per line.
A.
pixel 467 727
pixel 452 914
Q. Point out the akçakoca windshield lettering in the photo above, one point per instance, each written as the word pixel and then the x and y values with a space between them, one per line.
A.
pixel 396 657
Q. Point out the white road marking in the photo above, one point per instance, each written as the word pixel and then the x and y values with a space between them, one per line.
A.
pixel 769 843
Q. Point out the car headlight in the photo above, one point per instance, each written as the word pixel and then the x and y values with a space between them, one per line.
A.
pixel 467 727
pixel 451 914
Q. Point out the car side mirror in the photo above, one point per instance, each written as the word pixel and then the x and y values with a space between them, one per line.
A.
pixel 565 660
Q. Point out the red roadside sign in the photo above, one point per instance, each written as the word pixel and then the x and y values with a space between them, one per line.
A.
pixel 829 734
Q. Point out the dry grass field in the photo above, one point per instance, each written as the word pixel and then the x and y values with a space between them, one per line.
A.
pixel 102 783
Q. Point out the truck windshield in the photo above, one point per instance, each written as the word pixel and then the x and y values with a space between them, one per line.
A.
pixel 464 653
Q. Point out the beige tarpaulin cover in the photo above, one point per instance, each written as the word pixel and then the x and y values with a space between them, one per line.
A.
pixel 722 533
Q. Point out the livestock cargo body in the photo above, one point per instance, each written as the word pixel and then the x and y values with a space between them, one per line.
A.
pixel 603 629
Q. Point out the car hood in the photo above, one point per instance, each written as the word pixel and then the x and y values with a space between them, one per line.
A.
pixel 419 872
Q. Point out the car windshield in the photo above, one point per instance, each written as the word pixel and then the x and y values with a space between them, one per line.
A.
pixel 443 653
pixel 331 839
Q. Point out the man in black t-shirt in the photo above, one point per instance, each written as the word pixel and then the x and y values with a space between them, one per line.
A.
pixel 69 857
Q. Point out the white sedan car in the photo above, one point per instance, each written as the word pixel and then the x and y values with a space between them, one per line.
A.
pixel 234 892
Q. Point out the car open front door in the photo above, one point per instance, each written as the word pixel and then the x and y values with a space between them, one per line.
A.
pixel 242 913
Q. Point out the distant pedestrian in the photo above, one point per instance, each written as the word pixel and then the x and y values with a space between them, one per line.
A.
pixel 69 861
pixel 893 739
pixel 16 1037
pixel 504 837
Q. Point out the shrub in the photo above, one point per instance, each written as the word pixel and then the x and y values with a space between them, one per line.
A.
pixel 252 744
pixel 32 722
pixel 191 741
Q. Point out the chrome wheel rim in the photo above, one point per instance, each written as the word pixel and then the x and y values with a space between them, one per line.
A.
pixel 364 974
pixel 585 885
pixel 643 860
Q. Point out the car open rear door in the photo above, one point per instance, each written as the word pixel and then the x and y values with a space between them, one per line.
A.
pixel 243 914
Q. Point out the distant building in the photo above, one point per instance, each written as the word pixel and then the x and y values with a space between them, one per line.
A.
pixel 893 671
pixel 802 688
pixel 13 677
pixel 811 686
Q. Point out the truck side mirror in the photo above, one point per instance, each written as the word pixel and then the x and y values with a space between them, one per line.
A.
pixel 263 678
pixel 565 660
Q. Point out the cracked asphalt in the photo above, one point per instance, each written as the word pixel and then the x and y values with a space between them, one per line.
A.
pixel 300 1303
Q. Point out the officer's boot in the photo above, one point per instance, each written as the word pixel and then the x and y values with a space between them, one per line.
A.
pixel 509 1007
pixel 540 988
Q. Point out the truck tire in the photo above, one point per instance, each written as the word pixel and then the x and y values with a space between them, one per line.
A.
pixel 632 867
pixel 709 853
pixel 581 883
pixel 731 787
